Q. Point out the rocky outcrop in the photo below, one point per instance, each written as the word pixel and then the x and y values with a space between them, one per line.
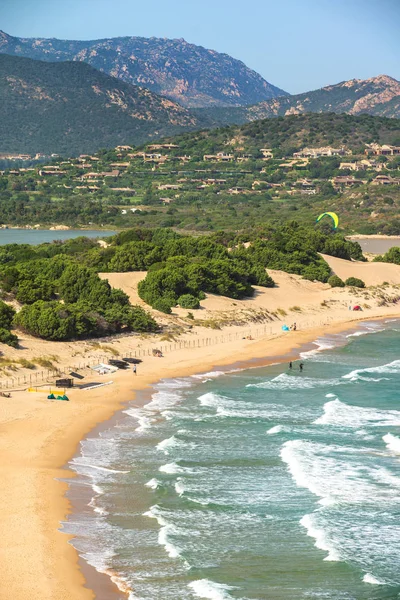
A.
pixel 376 96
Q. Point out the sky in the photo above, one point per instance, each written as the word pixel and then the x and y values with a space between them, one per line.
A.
pixel 297 45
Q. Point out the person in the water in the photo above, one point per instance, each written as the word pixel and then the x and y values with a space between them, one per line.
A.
pixel 301 365
pixel 290 365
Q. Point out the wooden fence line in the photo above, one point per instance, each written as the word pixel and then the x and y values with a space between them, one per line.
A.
pixel 48 375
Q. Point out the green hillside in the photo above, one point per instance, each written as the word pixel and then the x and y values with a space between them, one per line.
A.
pixel 70 108
pixel 291 133
pixel 233 178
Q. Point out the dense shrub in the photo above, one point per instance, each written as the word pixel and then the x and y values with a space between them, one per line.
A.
pixel 6 337
pixel 335 281
pixel 391 256
pixel 140 320
pixel 55 321
pixel 48 320
pixel 259 276
pixel 180 277
pixel 135 256
pixel 7 314
pixel 290 248
pixel 163 305
pixel 39 289
pixel 336 246
pixel 181 269
pixel 355 282
pixel 188 301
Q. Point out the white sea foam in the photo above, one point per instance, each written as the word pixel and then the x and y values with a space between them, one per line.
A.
pixel 321 344
pixel 144 419
pixel 101 565
pixel 205 588
pixel 341 414
pixel 77 462
pixel 368 578
pixel 358 333
pixel 179 487
pixel 362 432
pixel 330 396
pixel 300 457
pixel 152 484
pixel 276 429
pixel 97 509
pixel 321 537
pixel 393 367
pixel 214 400
pixel 167 445
pixel 243 414
pixel 338 475
pixel 226 407
pixel 171 469
pixel 209 375
pixel 172 550
pixel 392 442
pixel 294 382
pixel 202 502
pixel 167 394
pixel 167 529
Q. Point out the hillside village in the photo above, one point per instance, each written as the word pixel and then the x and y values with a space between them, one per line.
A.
pixel 181 183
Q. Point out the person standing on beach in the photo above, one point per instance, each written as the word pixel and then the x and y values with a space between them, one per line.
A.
pixel 134 370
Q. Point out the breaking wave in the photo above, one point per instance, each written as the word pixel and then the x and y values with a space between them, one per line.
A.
pixel 341 414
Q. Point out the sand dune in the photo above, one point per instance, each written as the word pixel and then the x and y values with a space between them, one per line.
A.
pixel 127 282
pixel 371 273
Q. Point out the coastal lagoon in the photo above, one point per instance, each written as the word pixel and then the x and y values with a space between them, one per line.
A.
pixel 377 245
pixel 266 483
pixel 40 236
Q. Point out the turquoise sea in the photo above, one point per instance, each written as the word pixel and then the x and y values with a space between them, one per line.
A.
pixel 263 484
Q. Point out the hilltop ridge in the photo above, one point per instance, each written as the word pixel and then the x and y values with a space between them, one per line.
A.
pixel 186 73
pixel 378 96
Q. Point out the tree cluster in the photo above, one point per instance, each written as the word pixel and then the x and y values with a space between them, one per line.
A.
pixel 63 299
pixel 7 314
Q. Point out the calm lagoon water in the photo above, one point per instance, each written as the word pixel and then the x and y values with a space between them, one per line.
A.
pixel 378 245
pixel 40 236
pixel 254 485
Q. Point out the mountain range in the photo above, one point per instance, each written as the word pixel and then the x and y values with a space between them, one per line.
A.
pixel 379 96
pixel 70 108
pixel 191 75
pixel 55 105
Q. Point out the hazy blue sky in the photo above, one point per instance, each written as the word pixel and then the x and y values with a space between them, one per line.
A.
pixel 297 45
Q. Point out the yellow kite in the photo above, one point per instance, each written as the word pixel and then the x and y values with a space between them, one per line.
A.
pixel 332 215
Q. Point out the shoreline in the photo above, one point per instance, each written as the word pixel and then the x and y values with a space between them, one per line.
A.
pixel 94 578
pixel 38 470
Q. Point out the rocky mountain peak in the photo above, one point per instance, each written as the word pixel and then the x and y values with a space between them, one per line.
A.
pixel 191 75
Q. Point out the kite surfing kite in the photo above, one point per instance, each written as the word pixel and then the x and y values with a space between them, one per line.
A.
pixel 332 215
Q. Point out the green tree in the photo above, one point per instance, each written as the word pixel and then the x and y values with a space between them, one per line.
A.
pixel 355 282
pixel 6 337
pixel 335 281
pixel 7 314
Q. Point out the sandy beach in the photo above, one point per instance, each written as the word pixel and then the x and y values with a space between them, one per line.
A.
pixel 38 437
